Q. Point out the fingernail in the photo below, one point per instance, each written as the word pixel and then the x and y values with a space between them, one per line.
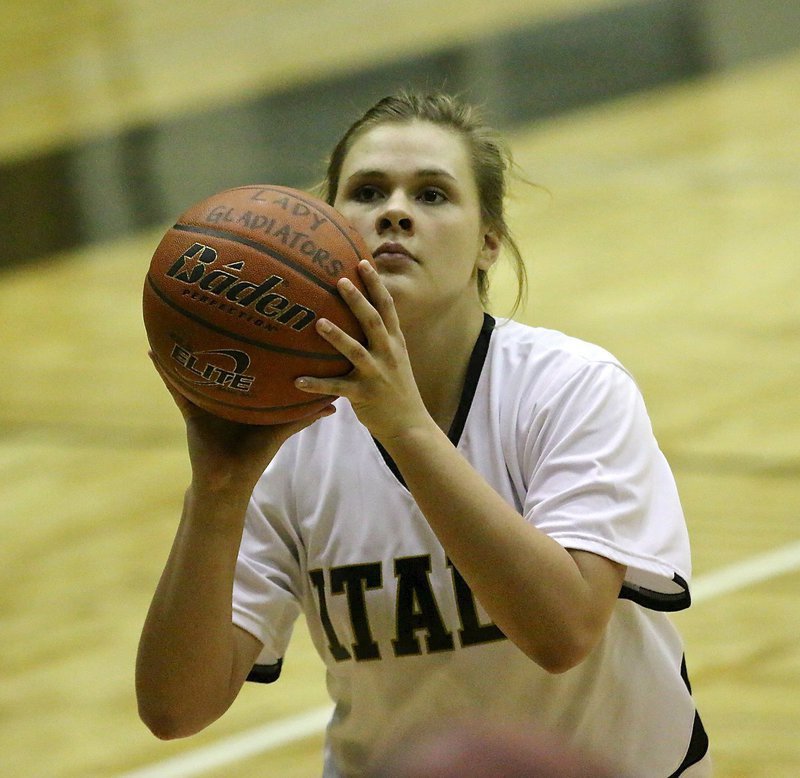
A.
pixel 301 383
pixel 324 325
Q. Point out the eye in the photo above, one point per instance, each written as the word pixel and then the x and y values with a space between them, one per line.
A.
pixel 432 196
pixel 366 194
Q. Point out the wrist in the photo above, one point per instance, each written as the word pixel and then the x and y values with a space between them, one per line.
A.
pixel 412 437
pixel 217 506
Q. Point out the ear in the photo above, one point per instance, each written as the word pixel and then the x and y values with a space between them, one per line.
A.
pixel 490 250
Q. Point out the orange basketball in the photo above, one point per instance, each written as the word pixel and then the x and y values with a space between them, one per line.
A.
pixel 233 293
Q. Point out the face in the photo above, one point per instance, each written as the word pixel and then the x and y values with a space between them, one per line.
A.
pixel 410 191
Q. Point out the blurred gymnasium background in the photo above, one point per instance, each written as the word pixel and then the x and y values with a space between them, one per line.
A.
pixel 664 139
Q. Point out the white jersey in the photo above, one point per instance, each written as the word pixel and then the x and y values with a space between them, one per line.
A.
pixel 559 429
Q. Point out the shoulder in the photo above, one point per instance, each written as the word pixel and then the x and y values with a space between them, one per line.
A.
pixel 512 338
pixel 544 361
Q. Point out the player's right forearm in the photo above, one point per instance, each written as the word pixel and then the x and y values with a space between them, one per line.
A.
pixel 184 669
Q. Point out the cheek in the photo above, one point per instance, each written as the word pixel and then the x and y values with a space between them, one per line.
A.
pixel 355 216
pixel 462 240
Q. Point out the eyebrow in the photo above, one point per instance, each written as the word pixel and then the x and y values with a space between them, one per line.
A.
pixel 433 172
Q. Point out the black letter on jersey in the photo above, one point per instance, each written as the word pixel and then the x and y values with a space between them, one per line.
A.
pixel 338 651
pixel 353 579
pixel 417 609
pixel 472 631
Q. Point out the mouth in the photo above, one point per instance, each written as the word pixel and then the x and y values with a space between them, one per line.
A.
pixel 389 251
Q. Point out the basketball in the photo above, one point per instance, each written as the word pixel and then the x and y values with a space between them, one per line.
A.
pixel 232 295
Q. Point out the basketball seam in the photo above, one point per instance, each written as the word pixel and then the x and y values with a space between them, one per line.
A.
pixel 222 331
pixel 294 193
pixel 262 249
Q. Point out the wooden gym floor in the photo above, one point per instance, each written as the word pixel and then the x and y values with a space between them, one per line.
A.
pixel 666 228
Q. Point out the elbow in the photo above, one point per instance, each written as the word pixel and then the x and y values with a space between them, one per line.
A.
pixel 164 727
pixel 173 711
pixel 561 654
pixel 168 724
pixel 558 663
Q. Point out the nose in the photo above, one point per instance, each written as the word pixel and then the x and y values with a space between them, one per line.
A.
pixel 395 217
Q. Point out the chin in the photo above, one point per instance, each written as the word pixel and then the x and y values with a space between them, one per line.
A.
pixel 406 297
pixel 398 287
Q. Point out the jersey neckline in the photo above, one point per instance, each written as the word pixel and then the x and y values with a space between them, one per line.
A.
pixel 474 369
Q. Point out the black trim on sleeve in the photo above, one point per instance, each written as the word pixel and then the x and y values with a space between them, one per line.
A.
pixel 658 601
pixel 474 369
pixel 265 673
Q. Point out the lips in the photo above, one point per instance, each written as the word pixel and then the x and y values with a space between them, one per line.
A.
pixel 389 250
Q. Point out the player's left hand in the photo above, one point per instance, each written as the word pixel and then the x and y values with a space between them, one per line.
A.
pixel 381 387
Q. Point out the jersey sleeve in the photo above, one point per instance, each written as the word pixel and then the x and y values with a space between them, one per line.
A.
pixel 598 482
pixel 266 586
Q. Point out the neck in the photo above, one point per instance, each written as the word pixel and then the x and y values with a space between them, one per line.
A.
pixel 440 351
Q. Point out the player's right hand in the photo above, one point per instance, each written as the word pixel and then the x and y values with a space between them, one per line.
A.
pixel 225 455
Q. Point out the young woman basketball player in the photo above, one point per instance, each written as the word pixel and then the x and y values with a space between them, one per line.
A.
pixel 484 524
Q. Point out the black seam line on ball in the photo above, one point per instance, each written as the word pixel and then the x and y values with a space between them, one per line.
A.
pixel 310 204
pixel 262 249
pixel 241 338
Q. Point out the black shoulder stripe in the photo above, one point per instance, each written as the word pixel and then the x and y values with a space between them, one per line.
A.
pixel 265 673
pixel 658 601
